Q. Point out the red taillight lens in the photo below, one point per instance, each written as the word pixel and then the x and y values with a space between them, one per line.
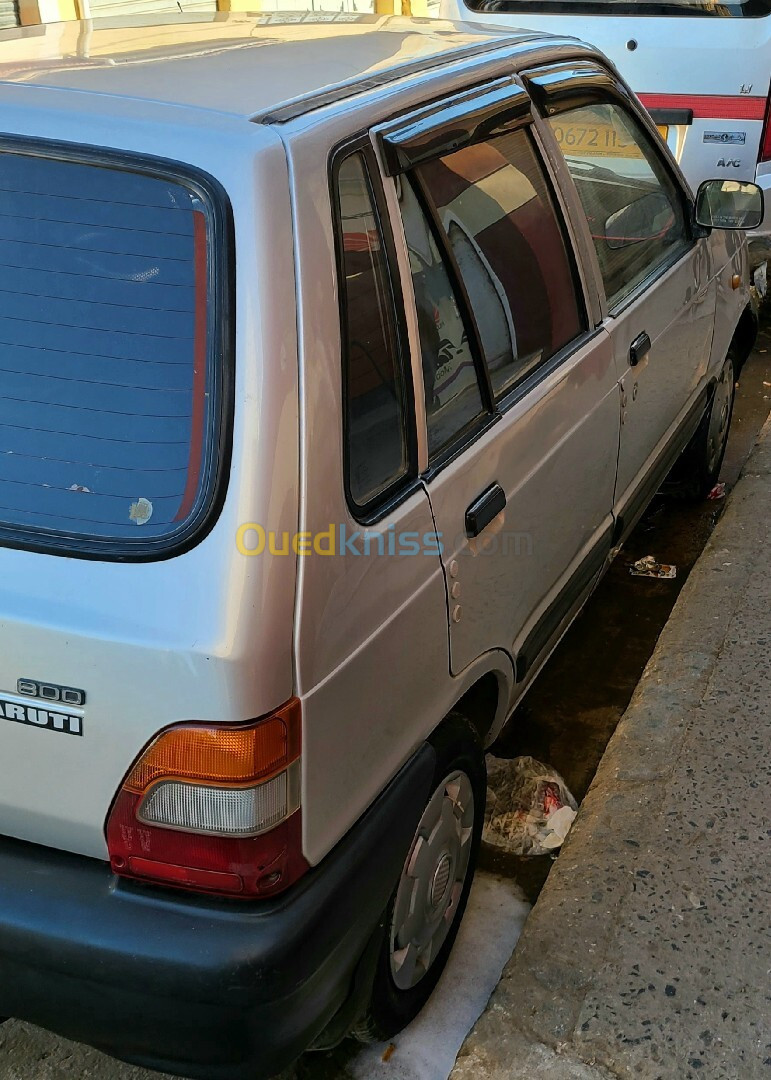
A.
pixel 765 141
pixel 214 808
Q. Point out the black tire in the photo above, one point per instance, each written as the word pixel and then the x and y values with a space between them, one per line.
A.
pixel 390 1008
pixel 698 468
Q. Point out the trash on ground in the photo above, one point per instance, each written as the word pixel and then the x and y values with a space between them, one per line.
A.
pixel 718 492
pixel 760 281
pixel 649 567
pixel 529 807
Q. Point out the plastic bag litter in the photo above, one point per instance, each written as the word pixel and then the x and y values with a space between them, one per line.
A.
pixel 760 281
pixel 717 492
pixel 649 567
pixel 529 807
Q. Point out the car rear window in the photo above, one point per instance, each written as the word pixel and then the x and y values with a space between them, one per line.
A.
pixel 110 372
pixel 674 8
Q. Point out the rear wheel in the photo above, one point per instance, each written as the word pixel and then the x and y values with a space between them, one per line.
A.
pixel 427 905
pixel 697 471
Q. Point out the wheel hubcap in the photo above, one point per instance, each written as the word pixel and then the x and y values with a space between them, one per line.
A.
pixel 720 415
pixel 432 880
pixel 441 880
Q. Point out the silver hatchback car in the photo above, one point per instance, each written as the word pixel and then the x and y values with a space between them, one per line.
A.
pixel 339 356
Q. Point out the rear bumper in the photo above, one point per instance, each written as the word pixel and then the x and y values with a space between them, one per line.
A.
pixel 190 985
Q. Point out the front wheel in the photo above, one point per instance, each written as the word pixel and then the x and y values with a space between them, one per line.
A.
pixel 427 905
pixel 697 470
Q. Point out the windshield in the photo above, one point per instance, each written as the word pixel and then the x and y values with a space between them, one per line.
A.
pixel 749 9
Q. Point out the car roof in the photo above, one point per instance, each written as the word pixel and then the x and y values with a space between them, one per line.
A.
pixel 240 64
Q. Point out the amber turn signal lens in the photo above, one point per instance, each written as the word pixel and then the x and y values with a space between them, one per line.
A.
pixel 220 754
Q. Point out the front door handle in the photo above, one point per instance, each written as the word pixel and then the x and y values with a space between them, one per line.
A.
pixel 639 349
pixel 484 508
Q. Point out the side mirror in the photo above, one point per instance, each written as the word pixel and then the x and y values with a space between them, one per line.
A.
pixel 647 218
pixel 729 204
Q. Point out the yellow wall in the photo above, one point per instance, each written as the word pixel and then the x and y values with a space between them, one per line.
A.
pixel 33 12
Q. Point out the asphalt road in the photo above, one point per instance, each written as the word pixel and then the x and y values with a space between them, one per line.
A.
pixel 567 719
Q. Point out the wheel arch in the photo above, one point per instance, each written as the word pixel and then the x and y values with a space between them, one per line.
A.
pixel 485 705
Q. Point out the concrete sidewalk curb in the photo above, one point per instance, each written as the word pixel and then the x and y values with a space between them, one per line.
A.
pixel 542 1020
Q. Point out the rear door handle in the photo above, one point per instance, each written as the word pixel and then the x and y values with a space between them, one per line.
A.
pixel 484 508
pixel 639 349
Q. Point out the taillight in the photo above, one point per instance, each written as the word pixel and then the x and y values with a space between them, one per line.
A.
pixel 765 141
pixel 214 808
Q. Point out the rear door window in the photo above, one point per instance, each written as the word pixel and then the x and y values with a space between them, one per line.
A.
pixel 495 209
pixel 452 394
pixel 110 356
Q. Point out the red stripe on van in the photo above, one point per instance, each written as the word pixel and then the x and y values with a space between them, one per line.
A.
pixel 199 365
pixel 709 106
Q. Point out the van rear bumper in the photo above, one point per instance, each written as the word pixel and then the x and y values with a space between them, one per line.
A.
pixel 189 985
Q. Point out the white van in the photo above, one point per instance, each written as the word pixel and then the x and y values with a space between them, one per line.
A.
pixel 329 387
pixel 701 69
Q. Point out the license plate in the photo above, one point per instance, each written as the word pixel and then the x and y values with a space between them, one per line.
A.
pixel 597 140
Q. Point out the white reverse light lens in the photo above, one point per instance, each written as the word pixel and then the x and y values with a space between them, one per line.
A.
pixel 174 804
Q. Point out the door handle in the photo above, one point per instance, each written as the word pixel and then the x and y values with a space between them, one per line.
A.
pixel 639 349
pixel 484 508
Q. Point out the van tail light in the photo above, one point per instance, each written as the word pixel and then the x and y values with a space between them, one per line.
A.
pixel 214 808
pixel 765 139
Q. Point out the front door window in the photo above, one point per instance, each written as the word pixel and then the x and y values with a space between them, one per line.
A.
pixel 634 209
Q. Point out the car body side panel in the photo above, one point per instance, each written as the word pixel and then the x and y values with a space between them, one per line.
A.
pixel 730 260
pixel 554 454
pixel 677 313
pixel 371 640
